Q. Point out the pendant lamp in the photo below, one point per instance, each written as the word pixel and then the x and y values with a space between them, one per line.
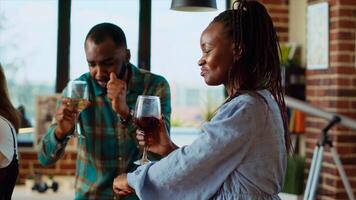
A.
pixel 194 5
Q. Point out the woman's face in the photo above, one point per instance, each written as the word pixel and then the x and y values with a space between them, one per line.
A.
pixel 217 56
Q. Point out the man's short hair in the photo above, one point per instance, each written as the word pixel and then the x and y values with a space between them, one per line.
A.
pixel 103 31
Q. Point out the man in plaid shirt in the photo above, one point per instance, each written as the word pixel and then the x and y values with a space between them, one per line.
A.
pixel 109 147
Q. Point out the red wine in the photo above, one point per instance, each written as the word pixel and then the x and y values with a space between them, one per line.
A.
pixel 147 124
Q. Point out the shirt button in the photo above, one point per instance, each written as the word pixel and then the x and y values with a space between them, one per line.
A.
pixel 120 158
pixel 137 172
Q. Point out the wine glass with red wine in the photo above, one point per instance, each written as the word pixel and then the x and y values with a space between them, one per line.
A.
pixel 147 115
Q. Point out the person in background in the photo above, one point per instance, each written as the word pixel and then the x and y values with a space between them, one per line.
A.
pixel 242 151
pixel 109 147
pixel 24 122
pixel 9 125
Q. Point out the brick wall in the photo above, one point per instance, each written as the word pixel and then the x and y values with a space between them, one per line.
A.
pixel 278 10
pixel 29 163
pixel 334 89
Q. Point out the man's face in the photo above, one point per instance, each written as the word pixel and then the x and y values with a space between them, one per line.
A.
pixel 104 58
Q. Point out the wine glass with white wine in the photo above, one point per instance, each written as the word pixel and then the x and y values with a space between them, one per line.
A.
pixel 77 92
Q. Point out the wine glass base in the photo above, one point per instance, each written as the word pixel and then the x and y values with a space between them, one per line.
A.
pixel 142 162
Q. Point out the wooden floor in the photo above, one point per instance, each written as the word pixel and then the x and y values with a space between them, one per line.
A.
pixel 65 191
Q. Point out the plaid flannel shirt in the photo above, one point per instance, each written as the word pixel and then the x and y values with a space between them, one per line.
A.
pixel 109 148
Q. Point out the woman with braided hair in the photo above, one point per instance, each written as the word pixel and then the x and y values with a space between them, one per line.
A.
pixel 242 151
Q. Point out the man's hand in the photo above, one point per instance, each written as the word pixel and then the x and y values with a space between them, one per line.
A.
pixel 116 91
pixel 120 185
pixel 65 118
pixel 160 143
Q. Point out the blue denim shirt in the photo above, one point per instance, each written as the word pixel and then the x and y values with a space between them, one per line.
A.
pixel 240 155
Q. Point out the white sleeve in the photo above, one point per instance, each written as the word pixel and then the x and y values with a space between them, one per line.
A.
pixel 6 144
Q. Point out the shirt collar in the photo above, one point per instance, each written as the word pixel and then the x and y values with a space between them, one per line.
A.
pixel 136 81
pixel 98 90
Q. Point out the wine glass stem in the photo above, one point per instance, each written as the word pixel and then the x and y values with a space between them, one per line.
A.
pixel 75 123
pixel 144 154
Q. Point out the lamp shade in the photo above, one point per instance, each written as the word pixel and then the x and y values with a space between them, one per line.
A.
pixel 194 5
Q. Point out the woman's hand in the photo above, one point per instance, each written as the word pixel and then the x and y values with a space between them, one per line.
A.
pixel 121 187
pixel 160 143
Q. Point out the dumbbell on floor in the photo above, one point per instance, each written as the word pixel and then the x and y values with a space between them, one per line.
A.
pixel 42 186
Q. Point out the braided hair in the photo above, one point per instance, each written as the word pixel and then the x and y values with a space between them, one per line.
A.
pixel 256 64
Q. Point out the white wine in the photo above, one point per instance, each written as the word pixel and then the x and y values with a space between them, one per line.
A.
pixel 79 104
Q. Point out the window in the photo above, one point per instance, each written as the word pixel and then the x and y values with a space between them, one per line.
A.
pixel 28 43
pixel 86 14
pixel 175 54
pixel 189 93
